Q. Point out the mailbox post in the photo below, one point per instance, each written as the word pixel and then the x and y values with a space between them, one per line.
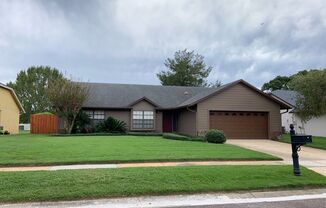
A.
pixel 296 142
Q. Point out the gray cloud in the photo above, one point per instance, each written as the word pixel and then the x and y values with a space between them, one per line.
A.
pixel 127 41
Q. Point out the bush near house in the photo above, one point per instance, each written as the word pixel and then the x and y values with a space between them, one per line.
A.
pixel 215 136
pixel 111 125
pixel 82 124
pixel 2 132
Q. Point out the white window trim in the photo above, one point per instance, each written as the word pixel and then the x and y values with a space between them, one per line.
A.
pixel 143 119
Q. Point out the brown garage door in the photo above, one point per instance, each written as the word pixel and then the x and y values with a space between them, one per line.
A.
pixel 240 125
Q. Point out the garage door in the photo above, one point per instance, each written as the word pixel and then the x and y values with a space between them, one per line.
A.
pixel 240 125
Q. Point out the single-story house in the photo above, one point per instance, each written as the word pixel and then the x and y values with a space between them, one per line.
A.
pixel 239 109
pixel 10 108
pixel 315 126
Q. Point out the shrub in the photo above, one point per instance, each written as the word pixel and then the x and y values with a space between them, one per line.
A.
pixel 181 137
pixel 215 136
pixel 6 132
pixel 82 123
pixel 44 113
pixel 135 133
pixel 111 125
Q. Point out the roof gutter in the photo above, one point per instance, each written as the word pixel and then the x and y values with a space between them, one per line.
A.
pixel 287 110
pixel 193 111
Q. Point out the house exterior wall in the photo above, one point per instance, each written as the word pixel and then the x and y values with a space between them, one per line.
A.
pixel 159 122
pixel 239 98
pixel 9 112
pixel 287 119
pixel 187 122
pixel 122 115
pixel 315 126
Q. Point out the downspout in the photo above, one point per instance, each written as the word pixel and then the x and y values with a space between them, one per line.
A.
pixel 287 110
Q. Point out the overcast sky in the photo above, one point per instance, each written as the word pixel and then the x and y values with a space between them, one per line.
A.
pixel 127 41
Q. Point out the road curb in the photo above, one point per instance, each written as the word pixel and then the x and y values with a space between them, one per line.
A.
pixel 185 200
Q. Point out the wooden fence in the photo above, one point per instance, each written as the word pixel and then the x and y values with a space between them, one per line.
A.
pixel 44 124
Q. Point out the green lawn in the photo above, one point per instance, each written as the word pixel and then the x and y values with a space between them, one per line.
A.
pixel 317 142
pixel 30 149
pixel 99 183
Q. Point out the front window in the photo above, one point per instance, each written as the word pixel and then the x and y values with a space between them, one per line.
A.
pixel 95 114
pixel 143 119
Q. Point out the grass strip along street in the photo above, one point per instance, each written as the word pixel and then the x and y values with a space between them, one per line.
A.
pixel 98 183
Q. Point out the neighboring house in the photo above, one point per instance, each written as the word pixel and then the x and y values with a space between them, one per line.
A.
pixel 315 126
pixel 25 127
pixel 10 108
pixel 238 108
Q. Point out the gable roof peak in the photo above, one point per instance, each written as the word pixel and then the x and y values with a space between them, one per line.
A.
pixel 12 92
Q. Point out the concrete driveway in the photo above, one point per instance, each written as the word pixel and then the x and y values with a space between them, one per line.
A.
pixel 314 159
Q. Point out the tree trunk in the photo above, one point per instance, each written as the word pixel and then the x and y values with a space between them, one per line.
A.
pixel 72 124
pixel 65 124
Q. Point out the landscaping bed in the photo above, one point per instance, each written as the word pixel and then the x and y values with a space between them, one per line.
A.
pixel 317 142
pixel 28 150
pixel 100 183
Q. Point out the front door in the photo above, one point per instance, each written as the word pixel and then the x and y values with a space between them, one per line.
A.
pixel 167 121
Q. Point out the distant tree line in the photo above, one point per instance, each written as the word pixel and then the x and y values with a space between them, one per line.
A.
pixel 311 86
pixel 45 89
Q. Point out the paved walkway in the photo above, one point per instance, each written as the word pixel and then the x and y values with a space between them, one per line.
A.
pixel 131 165
pixel 312 158
pixel 185 200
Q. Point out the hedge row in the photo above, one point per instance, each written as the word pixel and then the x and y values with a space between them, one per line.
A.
pixel 110 134
pixel 181 137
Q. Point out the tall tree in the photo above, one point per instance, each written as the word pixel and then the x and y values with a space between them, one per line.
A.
pixel 278 83
pixel 312 89
pixel 31 86
pixel 215 84
pixel 185 69
pixel 67 99
pixel 283 82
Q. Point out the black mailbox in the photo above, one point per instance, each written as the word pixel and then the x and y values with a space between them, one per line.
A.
pixel 297 140
pixel 301 139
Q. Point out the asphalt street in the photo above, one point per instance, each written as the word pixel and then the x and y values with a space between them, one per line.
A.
pixel 309 203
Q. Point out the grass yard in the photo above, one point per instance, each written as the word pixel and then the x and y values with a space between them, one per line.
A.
pixel 27 149
pixel 99 183
pixel 317 142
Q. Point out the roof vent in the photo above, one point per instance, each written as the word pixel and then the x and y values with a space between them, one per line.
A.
pixel 186 93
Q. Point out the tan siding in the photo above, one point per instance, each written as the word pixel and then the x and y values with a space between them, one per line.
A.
pixel 143 105
pixel 239 98
pixel 122 115
pixel 9 112
pixel 187 122
pixel 159 122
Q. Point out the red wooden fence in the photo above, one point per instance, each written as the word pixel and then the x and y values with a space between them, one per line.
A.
pixel 44 124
